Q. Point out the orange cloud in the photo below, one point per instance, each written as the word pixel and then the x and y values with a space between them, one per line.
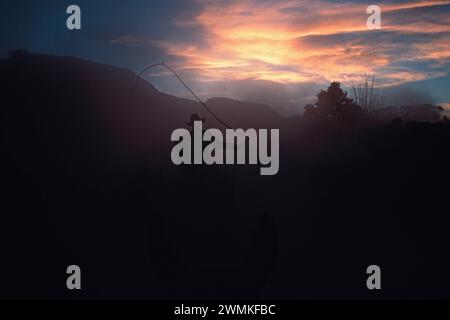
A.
pixel 287 41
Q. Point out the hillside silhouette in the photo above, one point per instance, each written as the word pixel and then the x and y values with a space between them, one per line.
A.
pixel 88 180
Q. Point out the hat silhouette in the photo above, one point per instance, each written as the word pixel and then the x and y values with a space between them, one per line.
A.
pixel 195 117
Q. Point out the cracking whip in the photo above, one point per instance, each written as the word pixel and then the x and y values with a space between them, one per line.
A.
pixel 163 64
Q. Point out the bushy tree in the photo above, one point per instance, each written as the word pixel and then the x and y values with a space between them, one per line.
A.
pixel 333 104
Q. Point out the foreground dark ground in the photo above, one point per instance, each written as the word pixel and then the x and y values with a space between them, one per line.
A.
pixel 87 180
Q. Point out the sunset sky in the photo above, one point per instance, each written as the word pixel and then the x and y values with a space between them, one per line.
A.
pixel 277 52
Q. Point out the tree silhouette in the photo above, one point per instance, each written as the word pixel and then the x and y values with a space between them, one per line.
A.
pixel 366 96
pixel 333 104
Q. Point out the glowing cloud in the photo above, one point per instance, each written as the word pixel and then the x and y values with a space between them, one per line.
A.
pixel 304 41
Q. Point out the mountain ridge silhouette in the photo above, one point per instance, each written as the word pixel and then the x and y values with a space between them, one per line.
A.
pixel 87 179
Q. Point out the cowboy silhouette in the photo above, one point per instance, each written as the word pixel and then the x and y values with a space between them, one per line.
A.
pixel 195 117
